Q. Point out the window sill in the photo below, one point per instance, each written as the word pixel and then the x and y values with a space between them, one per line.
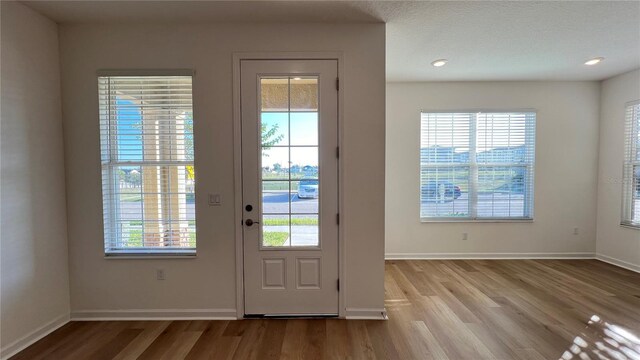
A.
pixel 631 226
pixel 423 220
pixel 149 255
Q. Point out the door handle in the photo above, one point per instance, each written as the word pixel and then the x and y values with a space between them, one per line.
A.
pixel 250 222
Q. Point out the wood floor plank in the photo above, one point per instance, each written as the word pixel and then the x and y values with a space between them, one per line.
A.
pixel 76 344
pixel 381 343
pixel 359 341
pixel 43 347
pixel 164 341
pixel 99 339
pixel 225 347
pixel 248 347
pixel 400 333
pixel 422 332
pixel 206 343
pixel 440 309
pixel 181 346
pixel 337 344
pixel 271 345
pixel 293 341
pixel 112 348
pixel 150 331
pixel 449 293
pixel 314 340
pixel 497 345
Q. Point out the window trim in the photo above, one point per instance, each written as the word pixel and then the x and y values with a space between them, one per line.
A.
pixel 479 220
pixel 453 219
pixel 145 72
pixel 627 184
pixel 141 252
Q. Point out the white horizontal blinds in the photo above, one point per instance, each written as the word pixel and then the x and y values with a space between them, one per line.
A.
pixel 505 158
pixel 477 165
pixel 444 165
pixel 631 169
pixel 146 133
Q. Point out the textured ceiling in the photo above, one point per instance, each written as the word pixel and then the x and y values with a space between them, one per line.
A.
pixel 90 11
pixel 511 40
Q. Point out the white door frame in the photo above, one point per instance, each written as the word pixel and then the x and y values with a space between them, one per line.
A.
pixel 237 167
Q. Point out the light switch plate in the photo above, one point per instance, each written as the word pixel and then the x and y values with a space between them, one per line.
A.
pixel 214 200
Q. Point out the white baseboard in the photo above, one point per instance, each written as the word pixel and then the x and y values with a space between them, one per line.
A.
pixel 617 262
pixel 486 256
pixel 35 335
pixel 366 314
pixel 154 314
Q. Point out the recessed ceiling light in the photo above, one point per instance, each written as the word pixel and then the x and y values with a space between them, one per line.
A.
pixel 439 62
pixel 594 61
pixel 297 78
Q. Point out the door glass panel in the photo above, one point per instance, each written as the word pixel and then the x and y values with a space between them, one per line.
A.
pixel 304 230
pixel 275 197
pixel 306 159
pixel 304 128
pixel 275 163
pixel 290 167
pixel 274 128
pixel 274 93
pixel 304 199
pixel 304 94
pixel 276 230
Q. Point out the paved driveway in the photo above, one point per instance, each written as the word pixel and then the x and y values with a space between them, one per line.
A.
pixel 275 202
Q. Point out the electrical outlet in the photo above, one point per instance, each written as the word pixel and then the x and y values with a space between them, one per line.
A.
pixel 160 274
pixel 575 231
pixel 465 236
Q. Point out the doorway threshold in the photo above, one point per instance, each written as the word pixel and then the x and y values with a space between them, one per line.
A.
pixel 291 316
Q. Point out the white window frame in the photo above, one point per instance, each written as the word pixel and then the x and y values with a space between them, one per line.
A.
pixel 474 166
pixel 108 165
pixel 631 164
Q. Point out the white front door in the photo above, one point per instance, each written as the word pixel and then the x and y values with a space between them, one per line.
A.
pixel 290 186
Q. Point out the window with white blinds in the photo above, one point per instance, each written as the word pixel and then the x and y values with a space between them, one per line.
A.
pixel 477 165
pixel 148 182
pixel 631 169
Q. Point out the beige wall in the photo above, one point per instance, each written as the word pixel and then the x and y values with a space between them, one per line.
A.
pixel 34 273
pixel 614 242
pixel 565 178
pixel 208 282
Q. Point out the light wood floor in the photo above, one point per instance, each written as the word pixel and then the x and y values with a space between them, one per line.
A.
pixel 503 309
